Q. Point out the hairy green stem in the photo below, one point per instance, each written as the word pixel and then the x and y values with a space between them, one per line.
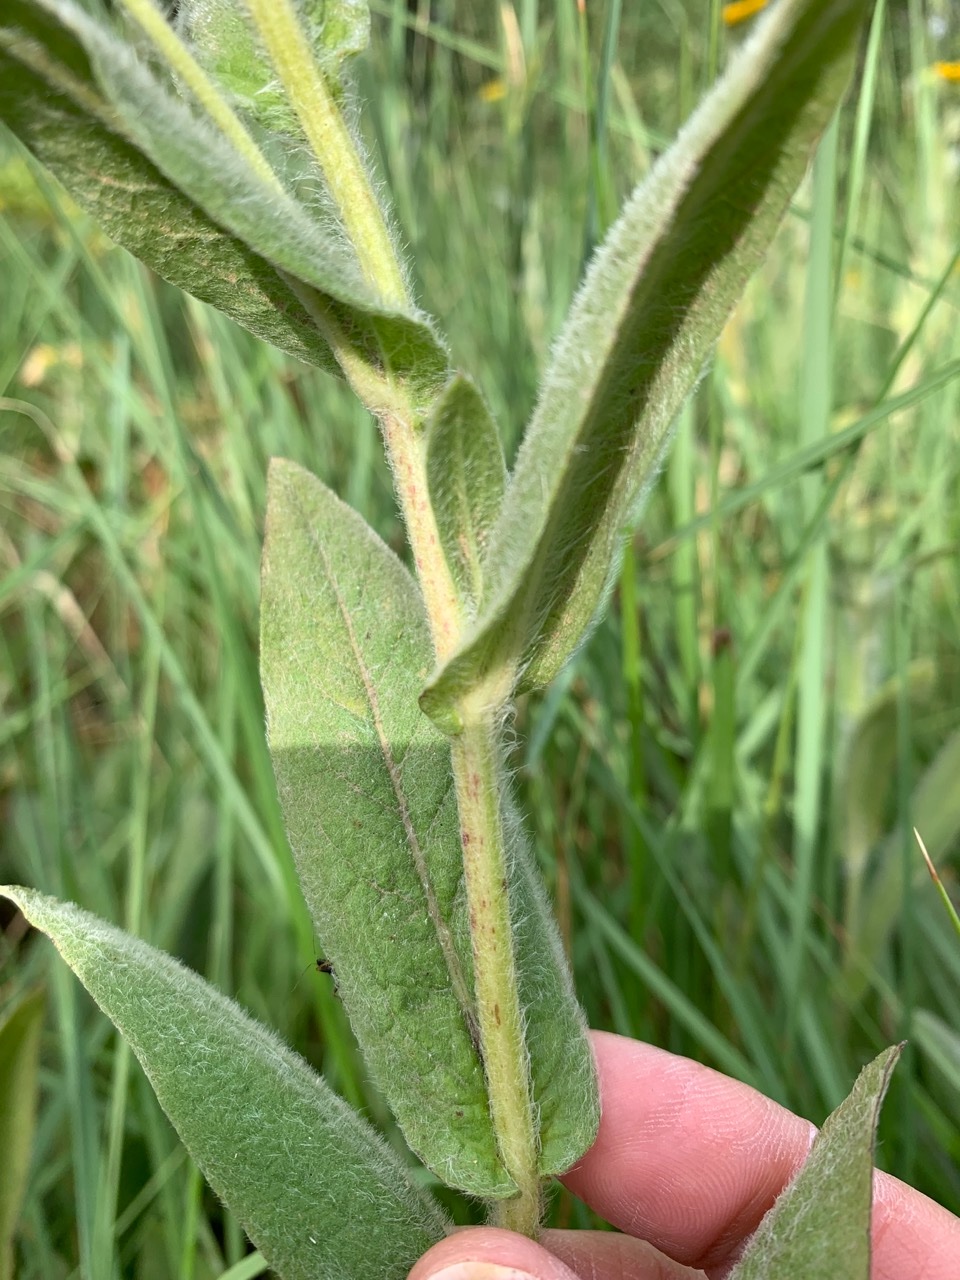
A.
pixel 407 453
pixel 330 139
pixel 477 773
pixel 475 761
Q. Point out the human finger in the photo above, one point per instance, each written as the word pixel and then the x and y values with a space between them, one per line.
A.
pixel 487 1253
pixel 691 1161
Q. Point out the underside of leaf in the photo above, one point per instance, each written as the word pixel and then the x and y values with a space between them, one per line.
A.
pixel 654 300
pixel 820 1225
pixel 142 158
pixel 318 1192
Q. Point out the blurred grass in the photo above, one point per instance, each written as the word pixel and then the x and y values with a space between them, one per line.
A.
pixel 724 783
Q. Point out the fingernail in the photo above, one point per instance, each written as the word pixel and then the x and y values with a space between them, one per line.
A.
pixel 481 1271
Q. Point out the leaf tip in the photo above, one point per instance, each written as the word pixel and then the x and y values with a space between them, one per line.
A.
pixel 934 876
pixel 444 715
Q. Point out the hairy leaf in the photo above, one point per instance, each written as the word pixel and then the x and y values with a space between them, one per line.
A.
pixel 165 183
pixel 466 476
pixel 19 1085
pixel 221 36
pixel 563 1072
pixel 820 1225
pixel 364 780
pixel 74 133
pixel 317 1191
pixel 369 803
pixel 653 302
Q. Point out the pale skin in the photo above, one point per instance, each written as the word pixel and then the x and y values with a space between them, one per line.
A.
pixel 685 1165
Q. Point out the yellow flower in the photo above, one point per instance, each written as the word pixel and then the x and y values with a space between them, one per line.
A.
pixel 947 71
pixel 740 10
pixel 493 90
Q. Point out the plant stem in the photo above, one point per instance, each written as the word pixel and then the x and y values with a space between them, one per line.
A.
pixel 478 781
pixel 407 454
pixel 474 754
pixel 326 131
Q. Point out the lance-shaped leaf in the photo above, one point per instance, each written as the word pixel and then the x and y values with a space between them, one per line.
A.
pixel 139 156
pixel 820 1225
pixel 466 475
pixel 20 1029
pixel 370 809
pixel 653 302
pixel 318 1192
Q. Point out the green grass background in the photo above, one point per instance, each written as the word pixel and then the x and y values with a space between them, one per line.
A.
pixel 722 785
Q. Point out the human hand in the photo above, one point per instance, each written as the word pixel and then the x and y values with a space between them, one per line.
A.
pixel 686 1164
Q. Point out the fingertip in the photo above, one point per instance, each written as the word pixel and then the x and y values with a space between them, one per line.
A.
pixel 489 1253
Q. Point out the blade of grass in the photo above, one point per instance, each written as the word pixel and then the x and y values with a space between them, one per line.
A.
pixel 816 405
pixel 812 456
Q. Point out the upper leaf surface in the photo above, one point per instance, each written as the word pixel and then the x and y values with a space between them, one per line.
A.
pixel 937 798
pixel 467 476
pixel 651 306
pixel 368 798
pixel 820 1226
pixel 365 784
pixel 316 1190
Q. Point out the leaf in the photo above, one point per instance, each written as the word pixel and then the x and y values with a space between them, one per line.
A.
pixel 338 29
pixel 653 302
pixel 19 1085
pixel 870 753
pixel 466 477
pixel 368 799
pixel 820 1225
pixel 220 34
pixel 167 185
pixel 861 808
pixel 562 1068
pixel 317 1191
pixel 136 206
pixel 364 781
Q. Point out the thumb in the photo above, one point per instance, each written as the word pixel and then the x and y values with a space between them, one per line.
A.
pixel 489 1253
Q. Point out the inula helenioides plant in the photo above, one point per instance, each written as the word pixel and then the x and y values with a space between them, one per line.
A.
pixel 220 146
